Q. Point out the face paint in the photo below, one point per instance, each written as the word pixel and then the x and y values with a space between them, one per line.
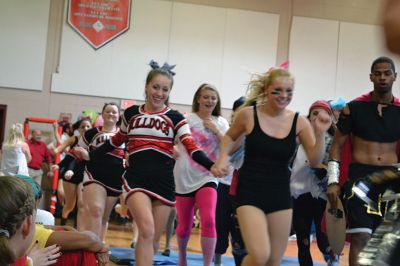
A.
pixel 279 92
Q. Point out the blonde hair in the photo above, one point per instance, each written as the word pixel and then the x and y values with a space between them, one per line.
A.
pixel 259 82
pixel 15 135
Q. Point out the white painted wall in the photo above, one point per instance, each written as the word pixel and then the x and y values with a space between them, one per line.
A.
pixel 331 45
pixel 208 45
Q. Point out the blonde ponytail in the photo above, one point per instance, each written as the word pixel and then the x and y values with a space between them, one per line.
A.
pixel 15 135
pixel 260 82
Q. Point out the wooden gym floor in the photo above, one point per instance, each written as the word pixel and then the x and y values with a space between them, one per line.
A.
pixel 121 236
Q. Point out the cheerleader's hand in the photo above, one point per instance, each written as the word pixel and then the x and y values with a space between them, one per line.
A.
pixel 220 168
pixel 81 153
pixel 68 175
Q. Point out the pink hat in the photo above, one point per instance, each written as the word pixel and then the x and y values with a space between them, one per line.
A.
pixel 323 105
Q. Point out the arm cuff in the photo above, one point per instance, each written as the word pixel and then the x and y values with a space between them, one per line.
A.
pixel 201 158
pixel 333 172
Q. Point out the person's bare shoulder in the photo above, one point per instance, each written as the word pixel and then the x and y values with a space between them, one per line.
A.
pixel 391 25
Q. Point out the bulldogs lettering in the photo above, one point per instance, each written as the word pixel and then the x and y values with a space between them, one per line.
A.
pixel 152 122
pixel 101 139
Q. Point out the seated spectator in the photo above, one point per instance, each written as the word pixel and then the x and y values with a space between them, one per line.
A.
pixel 17 208
pixel 42 216
pixel 72 243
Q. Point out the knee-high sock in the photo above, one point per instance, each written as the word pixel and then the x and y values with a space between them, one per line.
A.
pixel 185 211
pixel 182 244
pixel 206 200
pixel 208 248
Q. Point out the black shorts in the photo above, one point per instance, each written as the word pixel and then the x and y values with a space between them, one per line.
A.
pixel 157 187
pixel 75 179
pixel 268 196
pixel 361 218
pixel 111 183
pixel 193 194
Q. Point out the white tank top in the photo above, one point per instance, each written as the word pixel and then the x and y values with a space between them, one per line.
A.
pixel 13 160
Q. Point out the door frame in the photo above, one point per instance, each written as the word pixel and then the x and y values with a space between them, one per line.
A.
pixel 3 116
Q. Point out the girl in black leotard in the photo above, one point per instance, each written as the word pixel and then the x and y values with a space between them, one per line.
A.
pixel 263 194
pixel 71 173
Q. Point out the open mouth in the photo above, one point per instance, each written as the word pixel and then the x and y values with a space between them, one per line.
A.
pixel 157 100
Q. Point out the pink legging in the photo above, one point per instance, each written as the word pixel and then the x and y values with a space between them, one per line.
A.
pixel 206 200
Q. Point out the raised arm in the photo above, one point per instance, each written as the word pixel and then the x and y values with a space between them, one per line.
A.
pixel 312 137
pixel 67 143
pixel 312 143
pixel 56 134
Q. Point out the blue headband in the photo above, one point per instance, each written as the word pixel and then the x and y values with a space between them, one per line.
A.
pixel 34 185
pixel 167 67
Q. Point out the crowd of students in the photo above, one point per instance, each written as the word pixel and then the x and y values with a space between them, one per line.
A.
pixel 154 158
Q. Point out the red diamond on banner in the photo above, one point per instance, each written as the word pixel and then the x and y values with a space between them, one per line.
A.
pixel 99 21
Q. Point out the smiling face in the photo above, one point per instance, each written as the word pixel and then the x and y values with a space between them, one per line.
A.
pixel 110 114
pixel 382 76
pixel 207 100
pixel 157 92
pixel 84 126
pixel 280 92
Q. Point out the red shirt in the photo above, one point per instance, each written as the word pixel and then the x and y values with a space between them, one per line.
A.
pixel 19 262
pixel 39 154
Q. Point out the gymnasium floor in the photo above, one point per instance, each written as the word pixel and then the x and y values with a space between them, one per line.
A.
pixel 120 236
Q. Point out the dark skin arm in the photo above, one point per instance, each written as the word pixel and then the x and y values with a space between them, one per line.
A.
pixel 339 139
pixel 58 227
pixel 74 240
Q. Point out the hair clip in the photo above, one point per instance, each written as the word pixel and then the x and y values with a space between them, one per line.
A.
pixel 339 103
pixel 167 67
pixel 283 65
pixel 5 233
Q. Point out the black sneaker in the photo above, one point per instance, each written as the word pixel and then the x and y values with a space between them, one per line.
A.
pixel 166 252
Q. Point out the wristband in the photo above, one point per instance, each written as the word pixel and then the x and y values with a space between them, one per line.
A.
pixel 101 248
pixel 333 172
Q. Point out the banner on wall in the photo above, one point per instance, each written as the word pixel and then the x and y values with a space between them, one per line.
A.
pixel 125 104
pixel 99 21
